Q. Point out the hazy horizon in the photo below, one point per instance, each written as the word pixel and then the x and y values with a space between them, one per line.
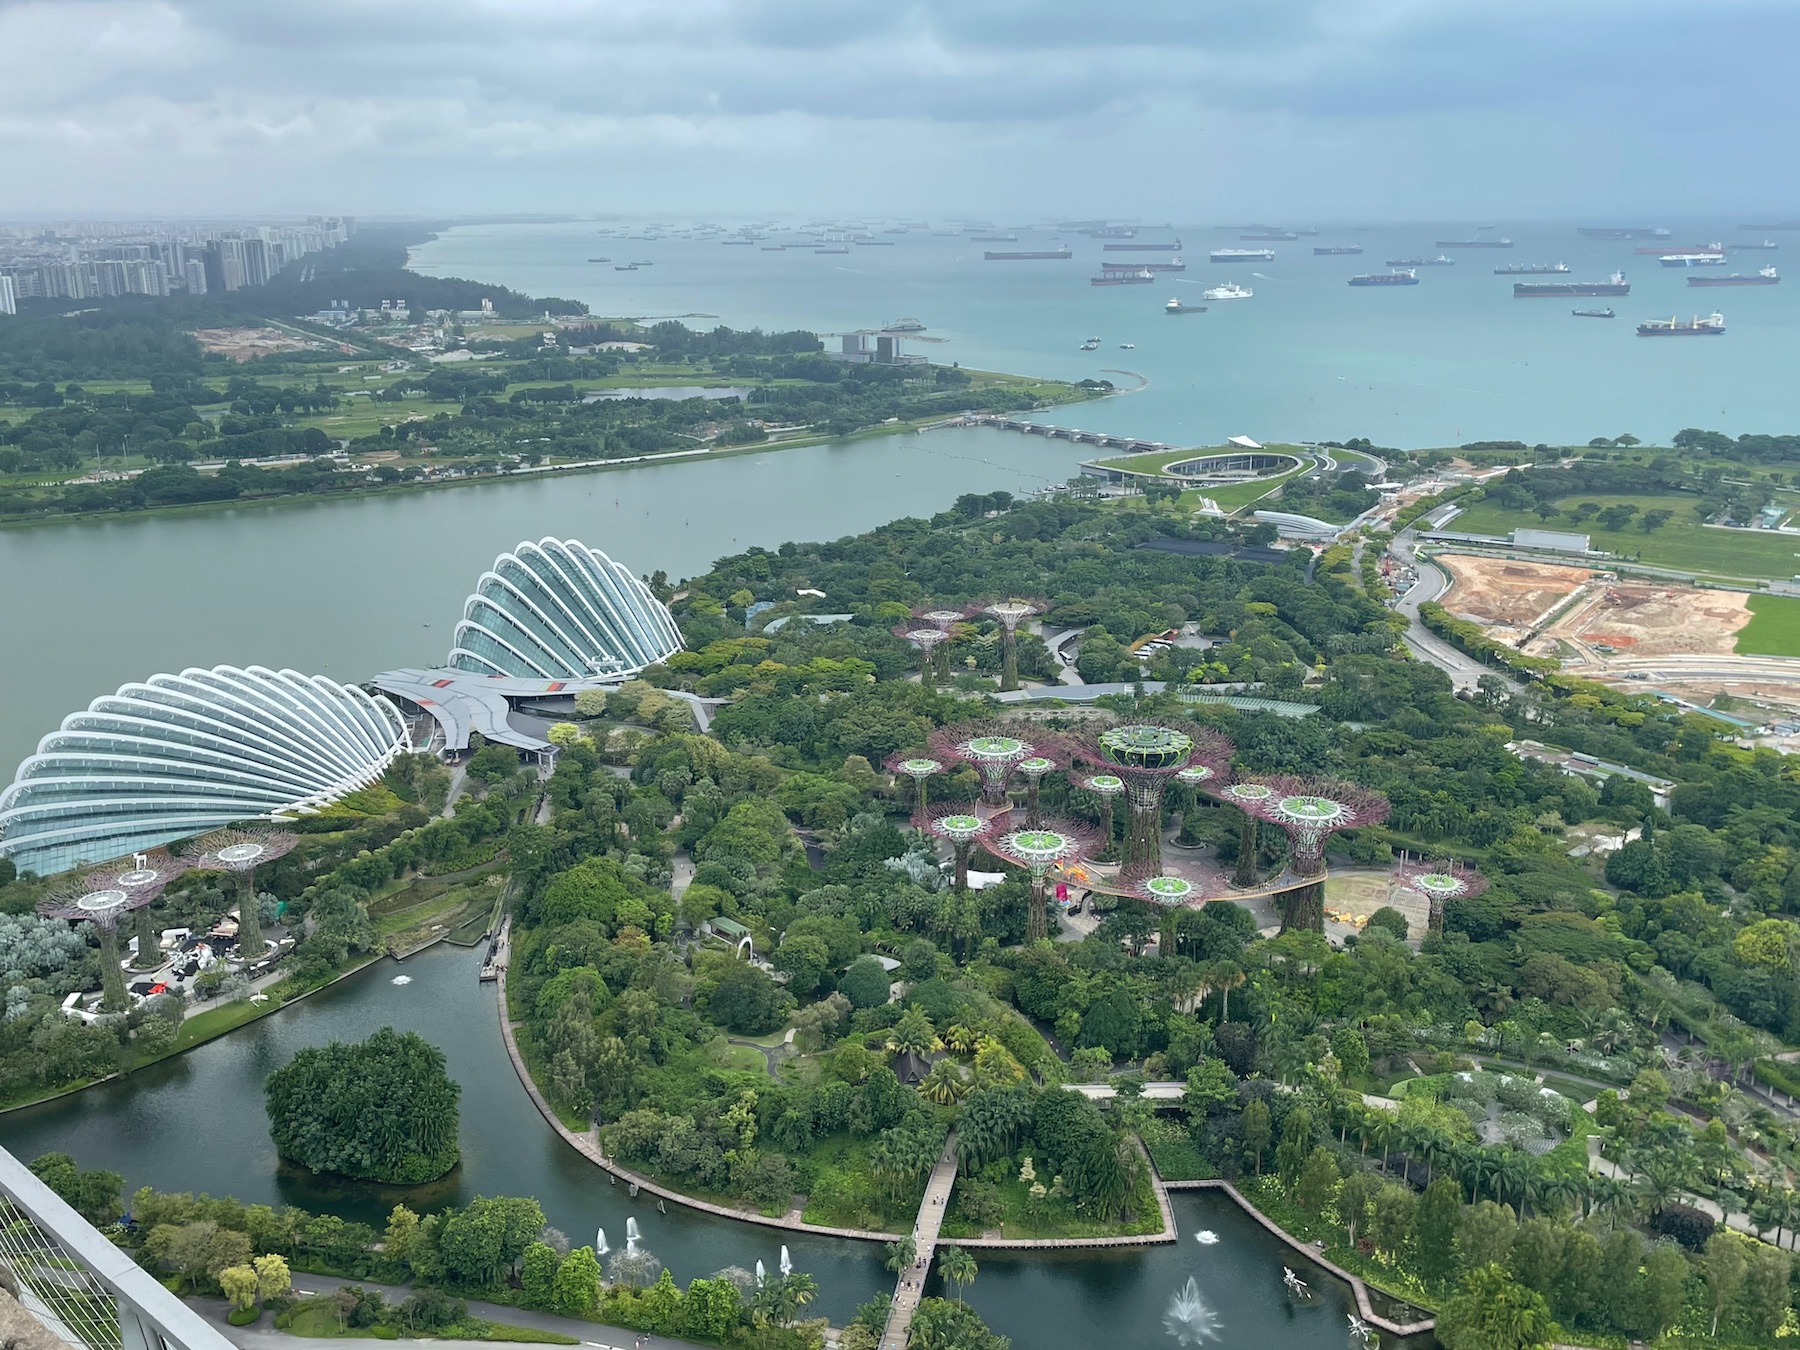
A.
pixel 1355 111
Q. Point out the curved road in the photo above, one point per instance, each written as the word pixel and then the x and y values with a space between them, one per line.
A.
pixel 1465 671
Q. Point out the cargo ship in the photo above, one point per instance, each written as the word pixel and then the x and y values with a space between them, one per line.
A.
pixel 1767 244
pixel 1028 255
pixel 873 243
pixel 1269 236
pixel 1229 291
pixel 1658 250
pixel 1174 264
pixel 1692 260
pixel 993 239
pixel 1501 242
pixel 1532 270
pixel 1176 307
pixel 1606 313
pixel 836 248
pixel 1337 251
pixel 1711 326
pixel 1532 290
pixel 1135 247
pixel 1439 261
pixel 1767 276
pixel 1231 255
pixel 1772 225
pixel 1402 277
pixel 1621 232
pixel 1123 276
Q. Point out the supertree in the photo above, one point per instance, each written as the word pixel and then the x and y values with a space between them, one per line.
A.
pixel 962 827
pixel 1033 770
pixel 993 749
pixel 1105 786
pixel 1310 811
pixel 1056 842
pixel 944 620
pixel 88 899
pixel 1440 883
pixel 147 874
pixel 1011 613
pixel 1147 755
pixel 1171 895
pixel 925 639
pixel 243 851
pixel 1244 795
pixel 916 767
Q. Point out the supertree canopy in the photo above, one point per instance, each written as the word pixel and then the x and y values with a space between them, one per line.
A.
pixel 1032 770
pixel 1011 613
pixel 1309 811
pixel 916 767
pixel 146 875
pixel 993 749
pixel 1145 756
pixel 962 827
pixel 1105 786
pixel 1172 894
pixel 1440 883
pixel 1055 843
pixel 925 639
pixel 243 851
pixel 88 898
pixel 945 621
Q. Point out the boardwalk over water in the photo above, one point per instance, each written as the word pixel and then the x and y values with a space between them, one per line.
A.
pixel 1131 445
pixel 910 1287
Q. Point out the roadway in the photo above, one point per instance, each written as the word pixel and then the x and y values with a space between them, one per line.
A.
pixel 1431 582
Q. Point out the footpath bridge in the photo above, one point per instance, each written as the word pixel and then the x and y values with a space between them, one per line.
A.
pixel 910 1287
pixel 1131 445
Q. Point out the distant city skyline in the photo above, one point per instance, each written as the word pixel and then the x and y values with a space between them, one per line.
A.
pixel 1353 110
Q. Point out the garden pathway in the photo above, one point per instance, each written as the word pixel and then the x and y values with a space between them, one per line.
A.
pixel 910 1287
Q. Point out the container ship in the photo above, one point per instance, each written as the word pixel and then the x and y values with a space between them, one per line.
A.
pixel 1176 307
pixel 1135 247
pixel 1439 261
pixel 1531 290
pixel 1338 251
pixel 1231 255
pixel 1123 276
pixel 1712 325
pixel 1501 242
pixel 1692 260
pixel 1621 232
pixel 1768 276
pixel 1027 255
pixel 1403 277
pixel 1532 270
pixel 1658 250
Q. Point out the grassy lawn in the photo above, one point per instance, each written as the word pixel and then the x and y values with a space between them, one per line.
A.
pixel 1684 544
pixel 742 1058
pixel 365 417
pixel 1774 628
pixel 318 1318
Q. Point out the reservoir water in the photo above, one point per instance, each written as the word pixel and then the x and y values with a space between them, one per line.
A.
pixel 351 587
pixel 196 1123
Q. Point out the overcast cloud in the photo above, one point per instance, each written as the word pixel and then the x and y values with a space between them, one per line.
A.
pixel 1322 109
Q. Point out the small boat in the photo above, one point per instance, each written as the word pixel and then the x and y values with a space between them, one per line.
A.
pixel 1091 345
pixel 1127 346
pixel 625 267
pixel 1594 313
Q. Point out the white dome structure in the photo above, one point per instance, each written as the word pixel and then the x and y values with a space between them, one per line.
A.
pixel 557 610
pixel 181 754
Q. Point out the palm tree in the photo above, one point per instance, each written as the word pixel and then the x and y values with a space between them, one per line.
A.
pixel 900 1255
pixel 1383 1131
pixel 962 1038
pixel 958 1268
pixel 1434 1149
pixel 1226 976
pixel 945 1084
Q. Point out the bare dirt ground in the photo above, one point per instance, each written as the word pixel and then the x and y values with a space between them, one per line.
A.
pixel 1508 596
pixel 1639 619
pixel 244 344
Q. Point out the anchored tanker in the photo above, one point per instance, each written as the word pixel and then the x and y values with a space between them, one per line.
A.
pixel 1613 285
pixel 1028 255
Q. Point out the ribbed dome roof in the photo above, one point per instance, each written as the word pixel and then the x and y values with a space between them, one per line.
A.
pixel 180 754
pixel 559 610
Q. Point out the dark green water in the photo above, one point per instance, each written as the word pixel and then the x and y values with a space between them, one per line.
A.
pixel 197 1123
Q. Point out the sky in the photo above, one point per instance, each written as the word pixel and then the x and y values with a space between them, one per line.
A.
pixel 1178 109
